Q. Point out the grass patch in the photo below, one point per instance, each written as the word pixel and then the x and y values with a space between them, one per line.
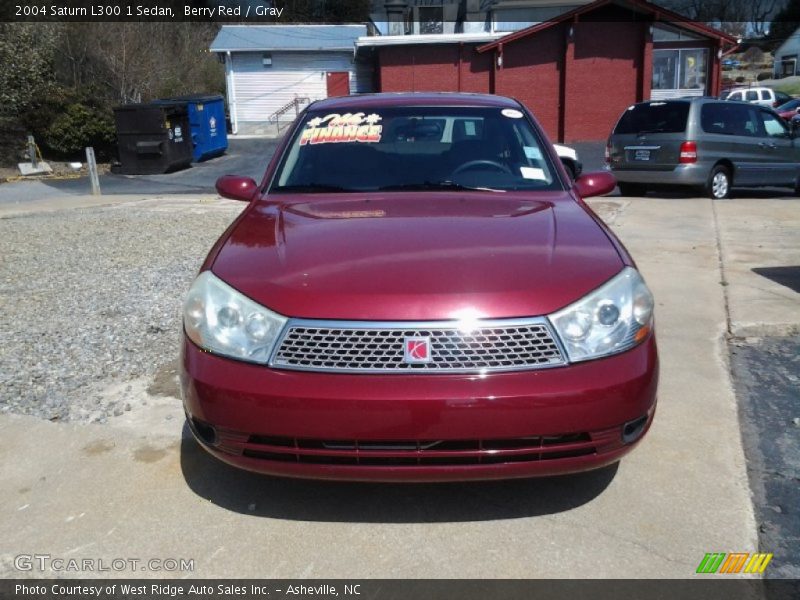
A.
pixel 790 85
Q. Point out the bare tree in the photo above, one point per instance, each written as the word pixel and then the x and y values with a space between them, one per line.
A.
pixel 739 18
pixel 134 62
pixel 761 12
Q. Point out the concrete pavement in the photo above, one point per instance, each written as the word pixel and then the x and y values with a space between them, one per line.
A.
pixel 139 488
pixel 760 246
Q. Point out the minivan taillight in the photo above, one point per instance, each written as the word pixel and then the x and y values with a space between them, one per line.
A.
pixel 688 153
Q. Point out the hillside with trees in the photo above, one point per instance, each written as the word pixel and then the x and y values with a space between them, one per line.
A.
pixel 60 81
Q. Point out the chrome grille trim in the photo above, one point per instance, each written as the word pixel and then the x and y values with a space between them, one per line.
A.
pixel 377 346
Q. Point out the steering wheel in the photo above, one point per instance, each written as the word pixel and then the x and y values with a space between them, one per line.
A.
pixel 482 163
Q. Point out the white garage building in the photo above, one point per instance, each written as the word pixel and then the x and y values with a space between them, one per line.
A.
pixel 273 71
pixel 786 56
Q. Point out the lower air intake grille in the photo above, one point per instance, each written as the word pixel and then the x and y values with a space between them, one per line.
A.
pixel 416 453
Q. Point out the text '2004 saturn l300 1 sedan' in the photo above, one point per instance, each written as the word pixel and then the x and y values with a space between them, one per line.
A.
pixel 417 291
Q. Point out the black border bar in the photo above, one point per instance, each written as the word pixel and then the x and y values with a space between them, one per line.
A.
pixel 714 587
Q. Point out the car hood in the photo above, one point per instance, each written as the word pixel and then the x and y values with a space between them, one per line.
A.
pixel 431 256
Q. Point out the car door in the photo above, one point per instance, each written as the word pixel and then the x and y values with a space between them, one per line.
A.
pixel 739 124
pixel 779 151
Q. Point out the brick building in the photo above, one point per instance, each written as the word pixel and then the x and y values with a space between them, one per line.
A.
pixel 577 71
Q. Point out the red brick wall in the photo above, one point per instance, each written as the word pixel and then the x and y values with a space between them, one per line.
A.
pixel 433 68
pixel 476 70
pixel 602 80
pixel 531 74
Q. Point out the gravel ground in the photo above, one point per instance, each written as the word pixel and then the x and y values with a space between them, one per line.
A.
pixel 91 300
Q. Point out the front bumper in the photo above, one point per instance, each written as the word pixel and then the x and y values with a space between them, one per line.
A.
pixel 420 427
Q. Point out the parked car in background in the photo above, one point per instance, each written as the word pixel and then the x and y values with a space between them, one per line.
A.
pixel 569 158
pixel 392 306
pixel 789 109
pixel 705 143
pixel 782 98
pixel 763 96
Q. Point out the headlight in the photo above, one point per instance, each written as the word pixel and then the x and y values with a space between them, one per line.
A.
pixel 611 319
pixel 220 319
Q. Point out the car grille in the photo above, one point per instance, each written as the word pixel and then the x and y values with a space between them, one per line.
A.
pixel 379 347
pixel 416 453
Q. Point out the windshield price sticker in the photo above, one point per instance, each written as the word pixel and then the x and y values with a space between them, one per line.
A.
pixel 511 113
pixel 336 128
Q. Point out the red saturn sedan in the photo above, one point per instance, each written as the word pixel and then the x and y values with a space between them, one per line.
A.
pixel 417 291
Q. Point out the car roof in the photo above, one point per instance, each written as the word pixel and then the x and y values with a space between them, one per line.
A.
pixel 747 89
pixel 368 101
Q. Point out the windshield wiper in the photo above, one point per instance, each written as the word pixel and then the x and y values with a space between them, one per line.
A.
pixel 435 185
pixel 312 188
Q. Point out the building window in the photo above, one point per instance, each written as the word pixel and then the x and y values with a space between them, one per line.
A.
pixel 693 70
pixel 680 69
pixel 664 33
pixel 665 69
pixel 431 19
pixel 788 66
pixel 266 60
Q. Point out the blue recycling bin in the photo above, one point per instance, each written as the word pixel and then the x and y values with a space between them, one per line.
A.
pixel 207 124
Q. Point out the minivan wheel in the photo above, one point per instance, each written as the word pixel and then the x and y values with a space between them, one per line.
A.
pixel 631 189
pixel 719 183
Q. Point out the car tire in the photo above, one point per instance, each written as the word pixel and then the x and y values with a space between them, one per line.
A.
pixel 719 183
pixel 632 189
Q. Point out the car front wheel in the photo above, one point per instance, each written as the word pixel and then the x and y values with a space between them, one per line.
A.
pixel 719 183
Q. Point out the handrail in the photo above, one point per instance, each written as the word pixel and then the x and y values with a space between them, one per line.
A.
pixel 295 103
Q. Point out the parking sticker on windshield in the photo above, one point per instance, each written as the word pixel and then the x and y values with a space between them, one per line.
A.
pixel 533 153
pixel 532 173
pixel 511 113
pixel 336 128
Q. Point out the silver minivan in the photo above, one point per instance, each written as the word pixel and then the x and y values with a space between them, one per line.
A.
pixel 702 142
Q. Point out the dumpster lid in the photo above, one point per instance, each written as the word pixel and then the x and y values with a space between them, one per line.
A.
pixel 192 98
pixel 156 105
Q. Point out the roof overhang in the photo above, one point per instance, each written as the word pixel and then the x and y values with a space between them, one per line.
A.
pixel 282 49
pixel 656 12
pixel 419 39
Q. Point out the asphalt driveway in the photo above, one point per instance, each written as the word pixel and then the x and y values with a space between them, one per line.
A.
pixel 244 157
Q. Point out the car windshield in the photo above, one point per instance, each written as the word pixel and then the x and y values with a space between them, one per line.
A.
pixel 415 148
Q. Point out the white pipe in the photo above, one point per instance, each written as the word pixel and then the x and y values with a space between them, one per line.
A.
pixel 229 79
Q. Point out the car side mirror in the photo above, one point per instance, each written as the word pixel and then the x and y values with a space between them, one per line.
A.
pixel 236 187
pixel 595 184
